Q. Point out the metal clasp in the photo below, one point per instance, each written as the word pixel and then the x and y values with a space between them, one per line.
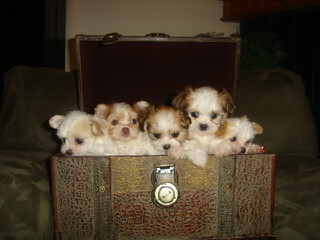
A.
pixel 110 38
pixel 157 35
pixel 165 192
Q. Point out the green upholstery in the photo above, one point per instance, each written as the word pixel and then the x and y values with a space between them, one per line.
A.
pixel 25 202
pixel 276 99
pixel 31 97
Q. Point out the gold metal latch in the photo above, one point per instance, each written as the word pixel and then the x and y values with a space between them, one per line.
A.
pixel 110 38
pixel 165 192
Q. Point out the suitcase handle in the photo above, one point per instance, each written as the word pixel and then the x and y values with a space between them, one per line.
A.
pixel 165 193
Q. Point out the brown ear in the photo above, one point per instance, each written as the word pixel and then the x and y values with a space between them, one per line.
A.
pixel 222 130
pixel 179 102
pixel 141 106
pixel 227 103
pixel 186 121
pixel 143 109
pixel 96 128
pixel 258 128
pixel 146 126
pixel 102 110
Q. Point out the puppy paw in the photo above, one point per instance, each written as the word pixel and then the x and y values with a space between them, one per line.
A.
pixel 176 153
pixel 254 148
pixel 198 157
pixel 223 152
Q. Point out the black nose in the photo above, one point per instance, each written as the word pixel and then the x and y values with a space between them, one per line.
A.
pixel 243 150
pixel 69 152
pixel 166 146
pixel 203 127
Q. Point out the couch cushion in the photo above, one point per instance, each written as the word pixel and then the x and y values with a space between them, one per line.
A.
pixel 276 99
pixel 25 200
pixel 31 96
pixel 297 198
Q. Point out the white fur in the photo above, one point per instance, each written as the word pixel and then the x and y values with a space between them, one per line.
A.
pixel 237 138
pixel 91 131
pixel 168 123
pixel 206 102
pixel 165 122
pixel 124 129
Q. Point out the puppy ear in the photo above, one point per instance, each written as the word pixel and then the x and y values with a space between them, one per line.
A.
pixel 180 101
pixel 55 121
pixel 257 127
pixel 101 110
pixel 96 128
pixel 140 106
pixel 222 130
pixel 186 121
pixel 146 126
pixel 227 102
pixel 143 109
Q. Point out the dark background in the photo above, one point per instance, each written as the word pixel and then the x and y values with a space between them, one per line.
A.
pixel 299 32
pixel 32 34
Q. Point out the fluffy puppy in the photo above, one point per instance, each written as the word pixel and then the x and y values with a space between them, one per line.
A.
pixel 82 134
pixel 207 109
pixel 165 127
pixel 235 136
pixel 123 127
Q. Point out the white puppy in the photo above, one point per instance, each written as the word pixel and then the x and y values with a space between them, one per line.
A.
pixel 124 128
pixel 82 134
pixel 235 136
pixel 165 127
pixel 207 109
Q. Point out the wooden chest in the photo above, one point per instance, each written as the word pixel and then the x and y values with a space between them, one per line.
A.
pixel 125 197
pixel 113 198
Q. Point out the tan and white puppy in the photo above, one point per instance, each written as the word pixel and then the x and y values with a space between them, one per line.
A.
pixel 123 127
pixel 82 134
pixel 235 136
pixel 207 109
pixel 165 127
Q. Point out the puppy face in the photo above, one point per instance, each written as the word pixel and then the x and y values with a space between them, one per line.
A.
pixel 77 131
pixel 166 127
pixel 206 108
pixel 121 120
pixel 239 133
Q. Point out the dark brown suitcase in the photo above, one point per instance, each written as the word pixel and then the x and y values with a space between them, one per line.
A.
pixel 152 68
pixel 127 197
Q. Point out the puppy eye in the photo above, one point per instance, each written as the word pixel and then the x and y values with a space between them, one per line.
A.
pixel 248 141
pixel 79 140
pixel 175 135
pixel 233 139
pixel 157 135
pixel 214 115
pixel 63 140
pixel 133 121
pixel 115 122
pixel 195 114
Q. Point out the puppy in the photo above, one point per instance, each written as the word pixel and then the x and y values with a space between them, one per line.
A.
pixel 124 128
pixel 235 136
pixel 165 127
pixel 207 109
pixel 82 134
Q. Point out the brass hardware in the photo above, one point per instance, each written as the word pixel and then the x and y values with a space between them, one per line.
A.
pixel 157 35
pixel 102 188
pixel 165 192
pixel 110 38
pixel 210 35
